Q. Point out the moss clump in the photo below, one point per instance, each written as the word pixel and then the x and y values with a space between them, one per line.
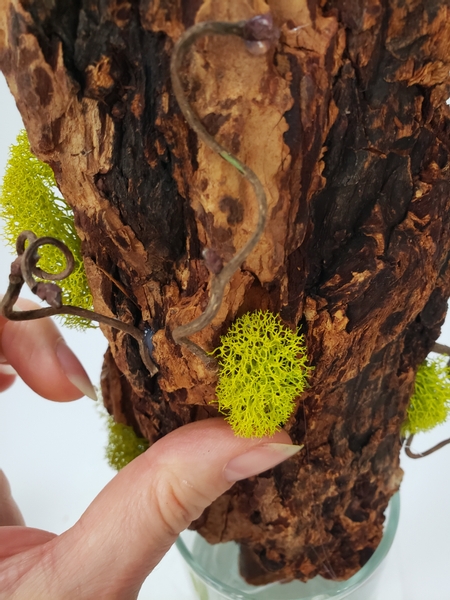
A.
pixel 123 445
pixel 430 403
pixel 262 370
pixel 29 199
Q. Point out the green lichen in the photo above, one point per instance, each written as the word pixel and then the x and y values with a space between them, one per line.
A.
pixel 123 445
pixel 430 403
pixel 29 199
pixel 262 369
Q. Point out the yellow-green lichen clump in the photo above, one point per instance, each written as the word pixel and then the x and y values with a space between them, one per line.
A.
pixel 123 445
pixel 262 369
pixel 430 403
pixel 30 200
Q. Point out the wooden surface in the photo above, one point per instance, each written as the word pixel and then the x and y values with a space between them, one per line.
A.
pixel 346 124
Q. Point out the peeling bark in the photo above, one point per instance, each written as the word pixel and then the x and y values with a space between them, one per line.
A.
pixel 346 124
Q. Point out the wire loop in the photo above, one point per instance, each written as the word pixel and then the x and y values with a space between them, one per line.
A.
pixel 24 269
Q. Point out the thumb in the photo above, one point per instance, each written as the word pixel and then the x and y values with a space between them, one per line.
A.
pixel 138 516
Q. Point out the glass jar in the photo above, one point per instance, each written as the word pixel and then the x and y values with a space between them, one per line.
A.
pixel 215 574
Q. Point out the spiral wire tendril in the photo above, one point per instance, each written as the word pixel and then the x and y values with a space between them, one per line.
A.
pixel 258 29
pixel 24 269
pixel 258 33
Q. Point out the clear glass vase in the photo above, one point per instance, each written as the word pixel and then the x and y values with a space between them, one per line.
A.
pixel 215 574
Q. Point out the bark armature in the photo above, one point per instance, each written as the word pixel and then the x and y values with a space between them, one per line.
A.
pixel 346 124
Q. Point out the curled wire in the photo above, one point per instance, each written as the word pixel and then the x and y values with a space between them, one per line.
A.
pixel 412 454
pixel 258 30
pixel 24 269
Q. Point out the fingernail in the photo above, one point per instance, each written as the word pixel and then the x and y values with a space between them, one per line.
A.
pixel 258 460
pixel 7 370
pixel 74 370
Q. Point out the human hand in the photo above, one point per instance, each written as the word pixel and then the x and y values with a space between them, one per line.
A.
pixel 132 523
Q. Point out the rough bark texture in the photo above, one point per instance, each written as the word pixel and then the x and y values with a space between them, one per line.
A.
pixel 347 126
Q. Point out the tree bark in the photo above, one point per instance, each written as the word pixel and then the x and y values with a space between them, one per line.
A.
pixel 346 124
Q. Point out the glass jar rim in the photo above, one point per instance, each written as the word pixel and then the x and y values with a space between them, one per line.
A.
pixel 348 586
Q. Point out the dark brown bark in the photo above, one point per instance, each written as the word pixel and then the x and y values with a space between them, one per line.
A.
pixel 347 126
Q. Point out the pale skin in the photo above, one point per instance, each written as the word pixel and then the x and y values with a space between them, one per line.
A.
pixel 133 522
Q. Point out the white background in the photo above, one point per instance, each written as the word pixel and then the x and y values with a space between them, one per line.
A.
pixel 53 455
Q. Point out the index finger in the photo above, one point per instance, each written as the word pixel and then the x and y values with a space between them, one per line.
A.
pixel 38 353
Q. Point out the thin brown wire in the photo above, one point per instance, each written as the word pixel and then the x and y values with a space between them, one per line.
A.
pixel 24 269
pixel 412 454
pixel 258 28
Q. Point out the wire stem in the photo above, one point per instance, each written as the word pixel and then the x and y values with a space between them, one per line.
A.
pixel 440 349
pixel 412 454
pixel 221 279
pixel 24 269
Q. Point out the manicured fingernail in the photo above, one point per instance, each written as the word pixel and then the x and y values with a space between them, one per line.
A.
pixel 258 460
pixel 7 370
pixel 74 370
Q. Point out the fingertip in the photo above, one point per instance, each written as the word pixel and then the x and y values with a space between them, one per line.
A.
pixel 16 539
pixel 7 377
pixel 39 355
pixel 9 511
pixel 199 435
